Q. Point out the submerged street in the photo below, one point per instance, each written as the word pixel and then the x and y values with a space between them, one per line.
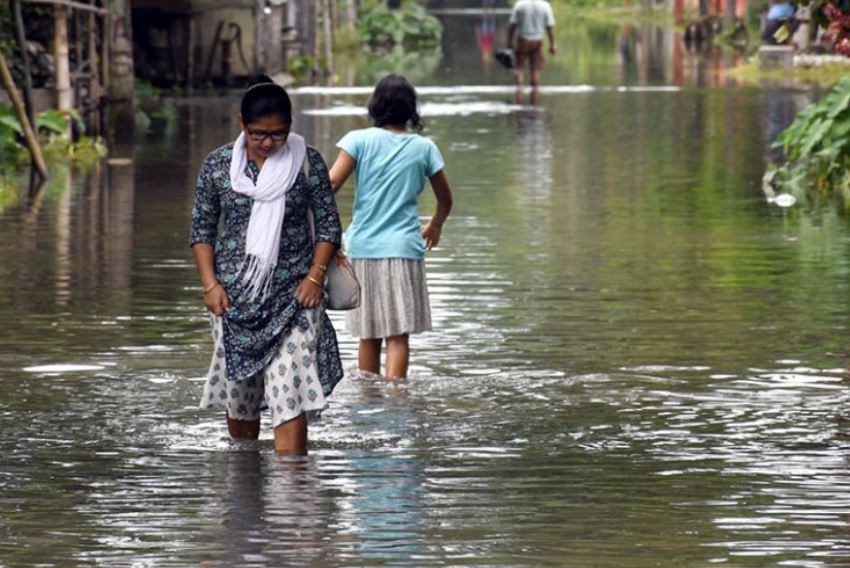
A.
pixel 637 360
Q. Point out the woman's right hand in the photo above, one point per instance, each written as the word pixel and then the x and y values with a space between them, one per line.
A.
pixel 216 300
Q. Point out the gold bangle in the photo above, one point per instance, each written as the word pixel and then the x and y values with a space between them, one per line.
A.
pixel 314 281
pixel 324 267
pixel 211 288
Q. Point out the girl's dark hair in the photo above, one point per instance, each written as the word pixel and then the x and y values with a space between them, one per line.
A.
pixel 393 103
pixel 264 97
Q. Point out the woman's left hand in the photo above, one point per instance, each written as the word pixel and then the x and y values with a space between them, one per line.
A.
pixel 309 293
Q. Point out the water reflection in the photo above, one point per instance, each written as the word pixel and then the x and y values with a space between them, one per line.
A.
pixel 82 243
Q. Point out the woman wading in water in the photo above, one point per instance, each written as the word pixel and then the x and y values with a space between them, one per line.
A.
pixel 262 274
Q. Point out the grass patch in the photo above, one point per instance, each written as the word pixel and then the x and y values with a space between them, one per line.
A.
pixel 615 14
pixel 824 75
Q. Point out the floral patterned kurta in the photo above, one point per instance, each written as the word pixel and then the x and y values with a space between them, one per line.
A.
pixel 253 330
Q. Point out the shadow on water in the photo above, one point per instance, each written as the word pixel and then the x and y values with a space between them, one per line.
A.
pixel 637 360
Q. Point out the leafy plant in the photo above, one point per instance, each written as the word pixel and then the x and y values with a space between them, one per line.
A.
pixel 409 26
pixel 56 143
pixel 817 146
pixel 297 66
pixel 10 131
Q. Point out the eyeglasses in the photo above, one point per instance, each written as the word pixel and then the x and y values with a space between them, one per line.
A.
pixel 261 135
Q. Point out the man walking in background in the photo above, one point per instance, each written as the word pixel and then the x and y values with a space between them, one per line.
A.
pixel 532 19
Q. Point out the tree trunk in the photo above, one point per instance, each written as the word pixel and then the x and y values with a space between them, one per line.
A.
pixel 29 134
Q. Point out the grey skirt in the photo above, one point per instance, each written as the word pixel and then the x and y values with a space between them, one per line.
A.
pixel 393 298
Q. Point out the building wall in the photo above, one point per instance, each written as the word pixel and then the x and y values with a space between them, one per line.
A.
pixel 172 17
pixel 239 29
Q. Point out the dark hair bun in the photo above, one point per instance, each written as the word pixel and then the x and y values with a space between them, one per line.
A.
pixel 258 79
pixel 264 97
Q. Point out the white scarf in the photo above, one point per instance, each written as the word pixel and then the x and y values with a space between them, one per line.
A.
pixel 277 176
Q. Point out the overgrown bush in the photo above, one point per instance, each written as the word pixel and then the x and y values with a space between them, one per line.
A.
pixel 410 26
pixel 817 147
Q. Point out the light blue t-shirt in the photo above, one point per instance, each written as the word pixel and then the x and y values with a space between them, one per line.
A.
pixel 390 174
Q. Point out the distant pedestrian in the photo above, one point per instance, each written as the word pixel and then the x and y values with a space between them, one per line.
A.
pixel 530 21
pixel 385 241
pixel 262 273
pixel 781 16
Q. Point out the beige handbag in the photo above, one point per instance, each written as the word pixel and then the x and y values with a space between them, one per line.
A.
pixel 341 282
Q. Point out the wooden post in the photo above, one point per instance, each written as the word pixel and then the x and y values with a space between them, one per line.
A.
pixel 64 97
pixel 97 80
pixel 105 55
pixel 29 135
pixel 274 41
pixel 316 33
pixel 334 19
pixel 305 18
pixel 260 34
pixel 121 68
pixel 190 55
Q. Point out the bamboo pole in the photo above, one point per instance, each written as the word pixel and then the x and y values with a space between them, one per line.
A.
pixel 29 135
pixel 63 64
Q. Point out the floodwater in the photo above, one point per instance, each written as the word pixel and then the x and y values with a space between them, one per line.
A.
pixel 638 360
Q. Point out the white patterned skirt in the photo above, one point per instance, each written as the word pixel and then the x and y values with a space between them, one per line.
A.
pixel 289 385
pixel 393 298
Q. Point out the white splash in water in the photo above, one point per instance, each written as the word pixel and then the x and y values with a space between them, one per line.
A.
pixel 63 368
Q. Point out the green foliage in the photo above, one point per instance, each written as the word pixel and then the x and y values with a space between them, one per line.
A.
pixel 150 107
pixel 298 66
pixel 53 121
pixel 10 194
pixel 10 131
pixel 346 40
pixel 410 27
pixel 145 91
pixel 55 136
pixel 817 146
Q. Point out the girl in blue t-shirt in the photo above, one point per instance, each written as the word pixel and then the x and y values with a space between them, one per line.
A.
pixel 385 240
